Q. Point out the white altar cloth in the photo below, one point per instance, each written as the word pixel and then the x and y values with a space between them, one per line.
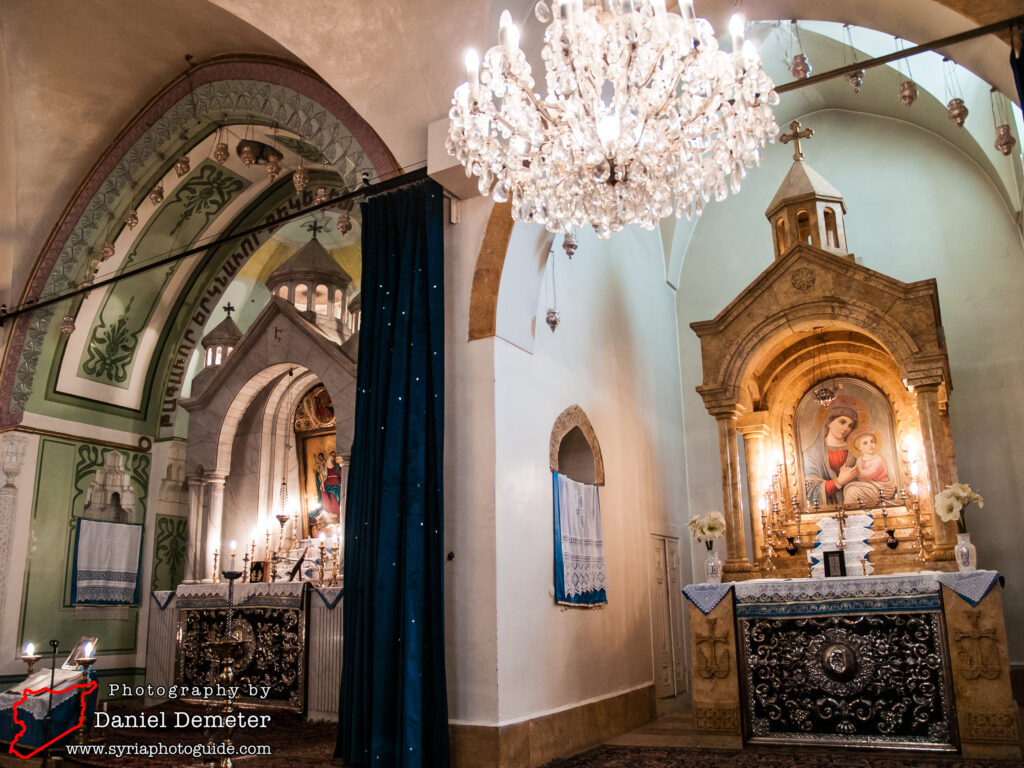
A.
pixel 37 705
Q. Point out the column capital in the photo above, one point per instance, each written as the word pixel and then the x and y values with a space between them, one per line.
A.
pixel 753 424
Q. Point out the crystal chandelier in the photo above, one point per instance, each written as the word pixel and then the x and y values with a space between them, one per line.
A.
pixel 644 116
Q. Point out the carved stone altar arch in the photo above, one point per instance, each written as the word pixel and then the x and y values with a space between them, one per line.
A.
pixel 574 418
pixel 279 359
pixel 763 352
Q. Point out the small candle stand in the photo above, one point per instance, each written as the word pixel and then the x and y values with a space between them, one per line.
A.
pixel 30 657
pixel 282 520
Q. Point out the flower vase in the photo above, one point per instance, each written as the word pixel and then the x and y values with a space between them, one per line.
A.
pixel 712 566
pixel 966 553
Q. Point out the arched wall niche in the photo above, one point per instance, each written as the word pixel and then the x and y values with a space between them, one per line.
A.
pixel 573 429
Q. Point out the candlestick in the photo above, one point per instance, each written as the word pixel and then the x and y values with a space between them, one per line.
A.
pixel 322 550
pixel 266 551
pixel 246 573
pixel 273 567
pixel 216 577
pixel 30 657
pixel 232 554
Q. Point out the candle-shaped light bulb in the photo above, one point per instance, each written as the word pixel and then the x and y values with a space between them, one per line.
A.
pixel 736 29
pixel 232 554
pixel 749 52
pixel 914 488
pixel 473 70
pixel 658 6
pixel 87 651
pixel 30 649
pixel 686 11
pixel 508 32
pixel 608 129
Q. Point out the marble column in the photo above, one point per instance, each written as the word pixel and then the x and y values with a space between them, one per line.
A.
pixel 755 432
pixel 215 523
pixel 938 462
pixel 736 563
pixel 196 554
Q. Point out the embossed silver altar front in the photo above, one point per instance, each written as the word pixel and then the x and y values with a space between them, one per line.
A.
pixel 271 618
pixel 861 661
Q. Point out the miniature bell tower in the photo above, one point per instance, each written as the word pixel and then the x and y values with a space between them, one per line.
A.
pixel 806 209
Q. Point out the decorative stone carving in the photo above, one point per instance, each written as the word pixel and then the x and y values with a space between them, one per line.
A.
pixel 712 660
pixel 991 726
pixel 110 496
pixel 574 417
pixel 716 719
pixel 802 279
pixel 978 648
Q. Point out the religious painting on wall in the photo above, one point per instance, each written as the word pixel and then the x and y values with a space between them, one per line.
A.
pixel 319 466
pixel 848 450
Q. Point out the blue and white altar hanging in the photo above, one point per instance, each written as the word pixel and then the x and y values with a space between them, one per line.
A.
pixel 107 561
pixel 581 577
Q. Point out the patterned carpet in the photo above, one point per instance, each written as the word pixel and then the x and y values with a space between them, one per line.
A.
pixel 683 757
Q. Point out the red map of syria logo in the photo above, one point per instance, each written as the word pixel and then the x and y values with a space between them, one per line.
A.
pixel 84 688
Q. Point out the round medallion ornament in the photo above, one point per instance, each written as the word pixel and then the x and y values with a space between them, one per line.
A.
pixel 803 279
pixel 839 662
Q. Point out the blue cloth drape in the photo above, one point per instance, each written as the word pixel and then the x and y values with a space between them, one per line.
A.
pixel 393 707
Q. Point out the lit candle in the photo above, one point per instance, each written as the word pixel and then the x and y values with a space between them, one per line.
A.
pixel 736 30
pixel 87 651
pixel 508 33
pixel 232 554
pixel 30 650
pixel 914 488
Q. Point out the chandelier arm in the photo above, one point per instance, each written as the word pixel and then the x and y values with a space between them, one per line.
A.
pixel 540 107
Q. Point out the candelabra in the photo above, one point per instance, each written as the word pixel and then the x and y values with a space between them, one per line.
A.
pixel 890 533
pixel 915 506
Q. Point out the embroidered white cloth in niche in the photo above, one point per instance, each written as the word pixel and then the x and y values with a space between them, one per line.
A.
pixel 107 560
pixel 856 532
pixel 583 566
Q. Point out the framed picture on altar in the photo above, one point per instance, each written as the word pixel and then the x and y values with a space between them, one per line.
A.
pixel 835 563
pixel 848 450
pixel 70 664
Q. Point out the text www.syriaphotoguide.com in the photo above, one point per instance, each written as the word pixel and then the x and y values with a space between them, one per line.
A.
pixel 170 750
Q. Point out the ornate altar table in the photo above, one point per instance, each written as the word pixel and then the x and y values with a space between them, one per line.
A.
pixel 291 628
pixel 911 661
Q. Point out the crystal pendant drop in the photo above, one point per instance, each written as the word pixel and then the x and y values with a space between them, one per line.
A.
pixel 552 319
pixel 542 11
pixel 957 111
pixel 569 244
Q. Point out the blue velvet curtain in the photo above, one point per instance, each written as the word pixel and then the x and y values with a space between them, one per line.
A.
pixel 1017 64
pixel 394 708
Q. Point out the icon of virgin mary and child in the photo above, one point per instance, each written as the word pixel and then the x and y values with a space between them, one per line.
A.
pixel 844 464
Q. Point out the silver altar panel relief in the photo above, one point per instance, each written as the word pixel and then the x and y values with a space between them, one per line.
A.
pixel 876 680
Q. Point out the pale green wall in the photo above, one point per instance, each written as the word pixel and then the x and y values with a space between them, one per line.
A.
pixel 917 208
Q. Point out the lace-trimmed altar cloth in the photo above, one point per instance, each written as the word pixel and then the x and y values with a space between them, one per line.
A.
pixel 282 593
pixel 107 560
pixel 904 592
pixel 37 705
pixel 706 596
pixel 581 577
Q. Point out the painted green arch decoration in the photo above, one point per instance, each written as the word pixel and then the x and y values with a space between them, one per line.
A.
pixel 221 91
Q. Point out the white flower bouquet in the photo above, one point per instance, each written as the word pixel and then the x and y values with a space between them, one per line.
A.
pixel 707 528
pixel 951 504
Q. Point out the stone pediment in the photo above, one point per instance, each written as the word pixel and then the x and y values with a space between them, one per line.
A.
pixel 810 288
pixel 274 338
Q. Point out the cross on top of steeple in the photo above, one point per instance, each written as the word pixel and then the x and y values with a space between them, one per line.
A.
pixel 795 137
pixel 228 309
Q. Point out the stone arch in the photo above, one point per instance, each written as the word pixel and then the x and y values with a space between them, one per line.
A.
pixel 483 296
pixel 223 90
pixel 573 418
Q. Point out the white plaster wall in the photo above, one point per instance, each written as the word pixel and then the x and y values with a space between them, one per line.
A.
pixel 471 598
pixel 614 354
pixel 17 553
pixel 917 208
